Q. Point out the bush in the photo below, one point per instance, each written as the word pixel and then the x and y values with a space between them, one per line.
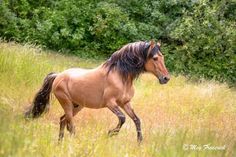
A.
pixel 199 36
pixel 210 38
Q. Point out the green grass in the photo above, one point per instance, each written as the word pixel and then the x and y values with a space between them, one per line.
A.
pixel 175 115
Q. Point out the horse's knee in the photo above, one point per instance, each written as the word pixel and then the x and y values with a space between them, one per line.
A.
pixel 137 120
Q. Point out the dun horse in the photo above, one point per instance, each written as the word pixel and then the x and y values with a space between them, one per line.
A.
pixel 109 85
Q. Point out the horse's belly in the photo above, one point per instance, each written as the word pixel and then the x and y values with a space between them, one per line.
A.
pixel 88 100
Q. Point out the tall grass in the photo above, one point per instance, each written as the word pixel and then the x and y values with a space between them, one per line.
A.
pixel 177 119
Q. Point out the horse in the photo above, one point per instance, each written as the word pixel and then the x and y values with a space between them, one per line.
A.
pixel 109 85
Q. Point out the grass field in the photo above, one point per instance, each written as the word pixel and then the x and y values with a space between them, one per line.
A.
pixel 179 119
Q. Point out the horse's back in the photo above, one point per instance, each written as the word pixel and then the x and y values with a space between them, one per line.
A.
pixel 66 75
pixel 75 72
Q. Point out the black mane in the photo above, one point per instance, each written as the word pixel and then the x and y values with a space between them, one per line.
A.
pixel 130 59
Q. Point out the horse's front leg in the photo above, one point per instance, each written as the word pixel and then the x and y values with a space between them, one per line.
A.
pixel 116 110
pixel 128 109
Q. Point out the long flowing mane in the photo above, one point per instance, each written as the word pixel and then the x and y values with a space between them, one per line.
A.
pixel 129 60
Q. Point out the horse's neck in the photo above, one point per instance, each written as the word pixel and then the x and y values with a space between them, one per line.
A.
pixel 114 73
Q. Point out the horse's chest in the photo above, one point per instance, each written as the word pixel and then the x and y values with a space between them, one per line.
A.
pixel 126 95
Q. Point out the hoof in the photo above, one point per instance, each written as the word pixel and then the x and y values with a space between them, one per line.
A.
pixel 60 139
pixel 113 132
pixel 140 139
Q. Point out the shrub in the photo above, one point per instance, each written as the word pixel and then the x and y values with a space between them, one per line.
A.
pixel 199 36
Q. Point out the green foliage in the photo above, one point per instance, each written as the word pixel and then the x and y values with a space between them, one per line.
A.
pixel 210 41
pixel 199 35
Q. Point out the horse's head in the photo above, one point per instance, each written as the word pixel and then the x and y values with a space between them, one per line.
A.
pixel 155 63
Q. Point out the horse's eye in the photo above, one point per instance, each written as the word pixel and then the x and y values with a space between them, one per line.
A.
pixel 155 58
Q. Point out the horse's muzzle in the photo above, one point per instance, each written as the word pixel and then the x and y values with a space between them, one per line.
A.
pixel 164 79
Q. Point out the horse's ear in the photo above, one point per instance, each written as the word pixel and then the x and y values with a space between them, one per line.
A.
pixel 152 44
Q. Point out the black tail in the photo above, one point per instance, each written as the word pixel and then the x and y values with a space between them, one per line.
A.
pixel 41 100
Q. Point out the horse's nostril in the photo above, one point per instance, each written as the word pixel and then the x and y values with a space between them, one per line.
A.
pixel 166 78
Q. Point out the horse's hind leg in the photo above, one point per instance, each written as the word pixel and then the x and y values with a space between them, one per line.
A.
pixel 69 119
pixel 115 109
pixel 68 107
pixel 76 109
pixel 63 121
pixel 62 127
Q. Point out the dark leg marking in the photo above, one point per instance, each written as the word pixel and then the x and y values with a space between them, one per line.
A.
pixel 121 118
pixel 63 122
pixel 62 127
pixel 136 120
